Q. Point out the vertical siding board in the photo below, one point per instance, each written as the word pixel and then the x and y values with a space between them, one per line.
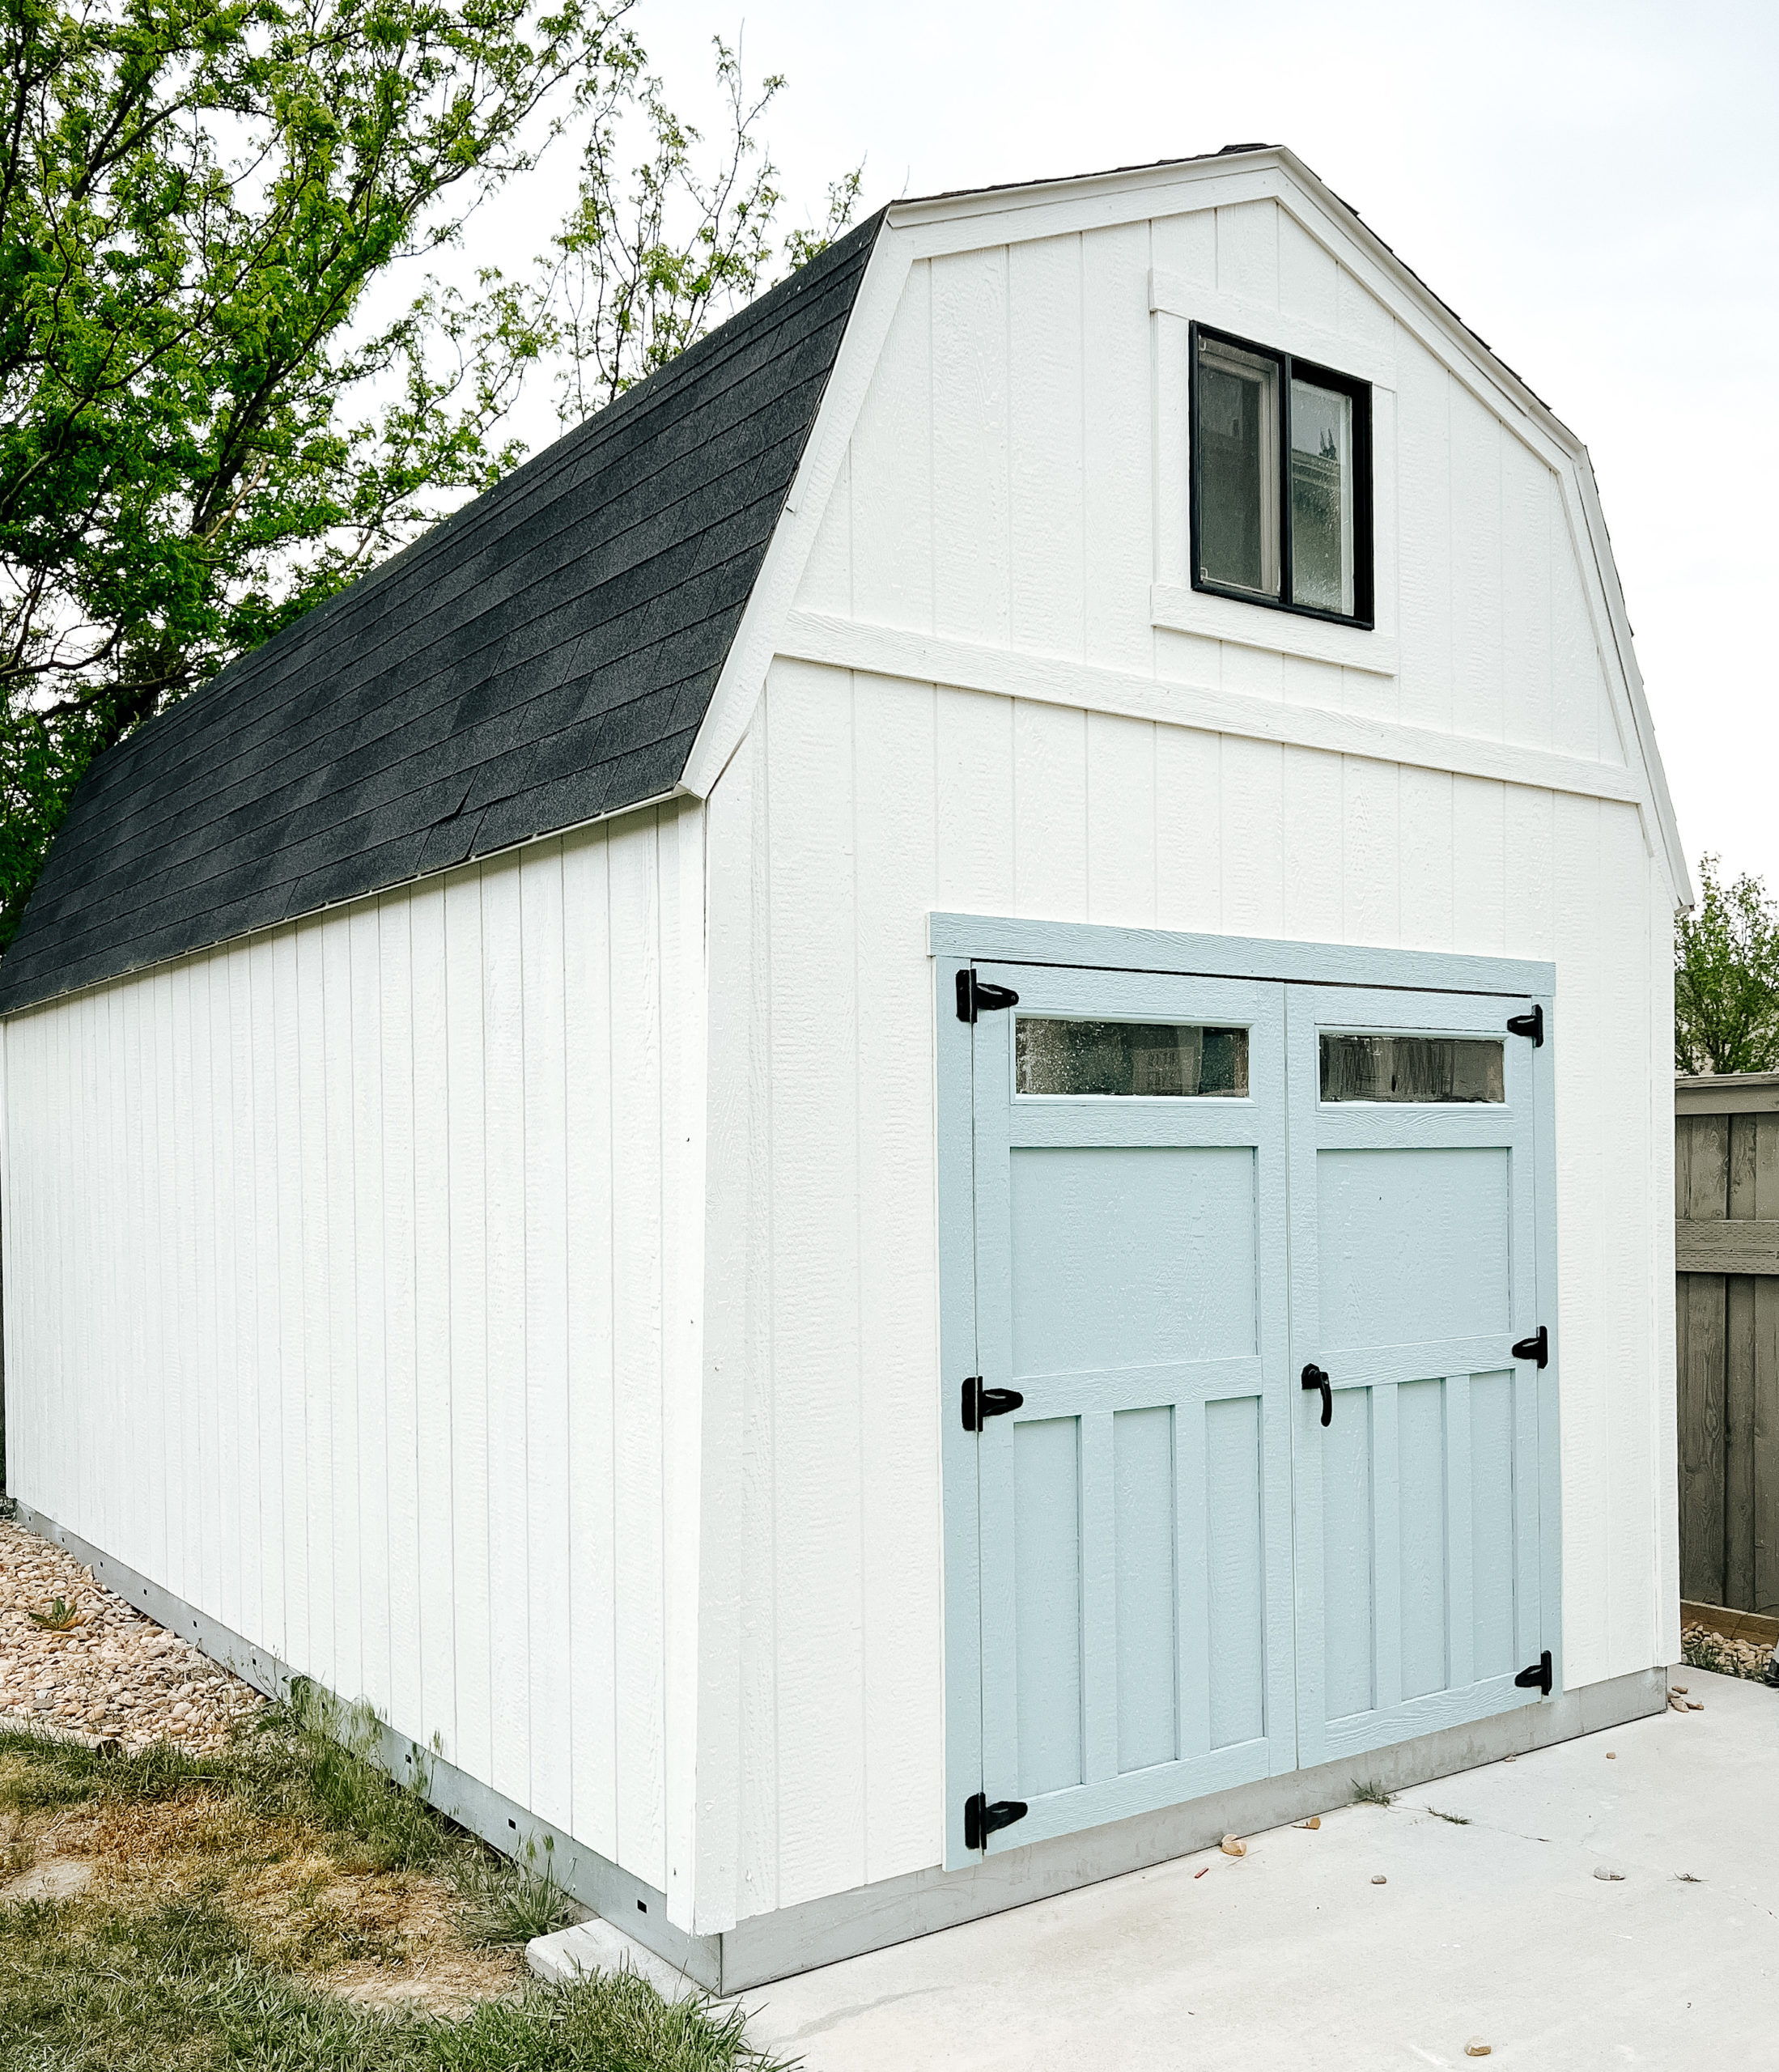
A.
pixel 366 1384
pixel 399 1320
pixel 1247 252
pixel 1477 557
pixel 1423 535
pixel 466 1089
pixel 1313 827
pixel 1048 552
pixel 546 1331
pixel 186 1367
pixel 1425 871
pixel 1309 276
pixel 1121 820
pixel 1119 487
pixel 816 1273
pixel 1529 494
pixel 339 1250
pixel 1479 868
pixel 590 1186
pixel 971 599
pixel 503 1064
pixel 295 1635
pixel 890 471
pixel 1049 809
pixel 240 1593
pixel 1371 851
pixel 1188 828
pixel 637 1335
pixel 900 1399
pixel 1252 867
pixel 262 1052
pixel 434 1380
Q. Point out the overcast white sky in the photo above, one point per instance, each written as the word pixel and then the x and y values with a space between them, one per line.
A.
pixel 1592 188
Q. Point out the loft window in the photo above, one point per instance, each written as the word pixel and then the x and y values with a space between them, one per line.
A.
pixel 1282 480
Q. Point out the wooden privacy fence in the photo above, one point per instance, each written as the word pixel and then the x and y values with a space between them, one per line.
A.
pixel 1726 1315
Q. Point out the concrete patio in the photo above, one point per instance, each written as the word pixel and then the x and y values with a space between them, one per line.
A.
pixel 1498 1928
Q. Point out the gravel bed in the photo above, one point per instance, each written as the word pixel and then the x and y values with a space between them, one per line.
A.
pixel 114 1675
pixel 1706 1649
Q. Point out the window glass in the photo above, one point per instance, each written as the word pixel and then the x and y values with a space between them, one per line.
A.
pixel 1238 433
pixel 1322 535
pixel 1411 1068
pixel 1128 1057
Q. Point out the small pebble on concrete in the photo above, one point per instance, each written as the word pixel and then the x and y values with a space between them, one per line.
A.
pixel 1609 1877
pixel 1380 1881
pixel 1476 2048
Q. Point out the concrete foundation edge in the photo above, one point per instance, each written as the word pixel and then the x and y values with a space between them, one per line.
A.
pixel 800 1939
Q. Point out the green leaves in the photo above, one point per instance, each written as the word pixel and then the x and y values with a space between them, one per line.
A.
pixel 203 430
pixel 1727 978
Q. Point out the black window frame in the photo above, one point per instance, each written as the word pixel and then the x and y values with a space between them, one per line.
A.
pixel 1290 368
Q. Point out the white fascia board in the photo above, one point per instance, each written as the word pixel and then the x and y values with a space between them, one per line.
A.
pixel 774 589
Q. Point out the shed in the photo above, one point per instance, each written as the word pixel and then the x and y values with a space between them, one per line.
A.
pixel 905 1135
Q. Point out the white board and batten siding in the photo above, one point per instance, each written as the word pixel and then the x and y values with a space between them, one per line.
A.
pixel 360 1288
pixel 995 693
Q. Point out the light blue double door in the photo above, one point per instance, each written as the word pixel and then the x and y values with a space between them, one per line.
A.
pixel 1196 1566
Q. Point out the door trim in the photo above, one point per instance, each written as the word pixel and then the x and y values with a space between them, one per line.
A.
pixel 957 941
pixel 988 938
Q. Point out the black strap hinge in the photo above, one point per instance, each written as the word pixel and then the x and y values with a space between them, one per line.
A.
pixel 983 1818
pixel 1530 1025
pixel 976 995
pixel 980 1404
pixel 1537 1677
pixel 1537 1347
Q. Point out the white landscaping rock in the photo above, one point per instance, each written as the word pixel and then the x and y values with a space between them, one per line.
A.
pixel 597 1946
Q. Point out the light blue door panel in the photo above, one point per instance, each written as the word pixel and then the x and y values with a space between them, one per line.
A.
pixel 1415 1268
pixel 1134 1512
pixel 1164 1576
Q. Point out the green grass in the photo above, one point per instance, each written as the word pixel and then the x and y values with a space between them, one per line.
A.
pixel 136 1976
pixel 177 1988
pixel 1370 1794
pixel 1457 1820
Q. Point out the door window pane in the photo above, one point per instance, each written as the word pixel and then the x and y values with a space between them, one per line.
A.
pixel 1238 434
pixel 1411 1068
pixel 1322 531
pixel 1128 1057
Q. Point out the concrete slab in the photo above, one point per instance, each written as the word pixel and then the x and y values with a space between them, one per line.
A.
pixel 1492 1923
pixel 597 1946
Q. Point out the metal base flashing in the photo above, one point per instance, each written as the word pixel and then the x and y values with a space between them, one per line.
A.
pixel 799 1939
pixel 504 1824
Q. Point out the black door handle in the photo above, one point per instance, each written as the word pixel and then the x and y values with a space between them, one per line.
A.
pixel 1314 1378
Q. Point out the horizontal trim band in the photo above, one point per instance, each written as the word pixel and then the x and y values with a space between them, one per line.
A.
pixel 886 650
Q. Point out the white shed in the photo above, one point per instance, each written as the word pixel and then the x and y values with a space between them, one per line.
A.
pixel 530 1195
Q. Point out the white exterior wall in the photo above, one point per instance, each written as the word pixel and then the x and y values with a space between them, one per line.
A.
pixel 996 693
pixel 352 1275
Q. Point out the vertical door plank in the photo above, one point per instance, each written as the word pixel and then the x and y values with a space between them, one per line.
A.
pixel 1100 1649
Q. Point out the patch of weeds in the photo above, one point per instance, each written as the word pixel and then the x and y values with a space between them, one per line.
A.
pixel 40 1772
pixel 1457 1820
pixel 1370 1793
pixel 1702 1649
pixel 511 1903
pixel 62 1617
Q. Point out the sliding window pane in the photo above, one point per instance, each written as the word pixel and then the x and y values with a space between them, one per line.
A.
pixel 1238 435
pixel 1322 518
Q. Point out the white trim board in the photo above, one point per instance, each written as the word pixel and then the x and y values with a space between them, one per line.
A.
pixel 1172 294
pixel 885 651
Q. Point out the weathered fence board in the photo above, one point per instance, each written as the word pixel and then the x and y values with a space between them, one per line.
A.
pixel 1726 1263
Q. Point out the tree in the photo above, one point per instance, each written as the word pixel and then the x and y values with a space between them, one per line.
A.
pixel 204 430
pixel 1727 978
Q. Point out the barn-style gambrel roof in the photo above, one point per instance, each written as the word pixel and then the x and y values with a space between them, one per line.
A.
pixel 544 656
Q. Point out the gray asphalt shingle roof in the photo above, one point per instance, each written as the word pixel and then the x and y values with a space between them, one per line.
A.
pixel 543 656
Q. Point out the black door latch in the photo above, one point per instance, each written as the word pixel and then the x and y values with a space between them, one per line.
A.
pixel 976 995
pixel 980 1404
pixel 1314 1378
pixel 984 1818
pixel 1537 1677
pixel 1537 1347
